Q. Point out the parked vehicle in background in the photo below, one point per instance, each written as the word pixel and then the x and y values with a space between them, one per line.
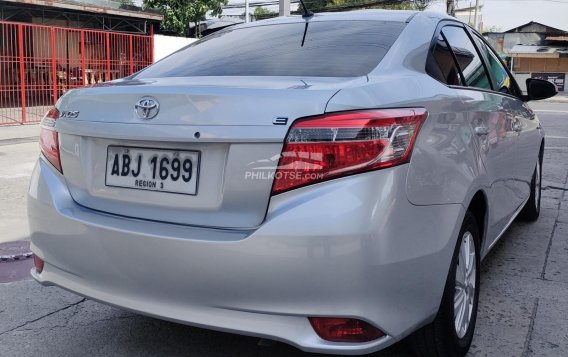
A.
pixel 332 182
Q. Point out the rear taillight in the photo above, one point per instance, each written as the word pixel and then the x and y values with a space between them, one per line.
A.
pixel 345 330
pixel 49 139
pixel 339 144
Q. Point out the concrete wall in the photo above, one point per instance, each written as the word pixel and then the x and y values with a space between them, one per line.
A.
pixel 523 76
pixel 165 45
pixel 521 79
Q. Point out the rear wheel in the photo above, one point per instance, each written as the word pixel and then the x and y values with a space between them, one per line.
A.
pixel 531 211
pixel 451 332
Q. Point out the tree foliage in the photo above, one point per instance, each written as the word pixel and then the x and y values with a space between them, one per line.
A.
pixel 421 4
pixel 338 5
pixel 260 11
pixel 179 13
pixel 263 13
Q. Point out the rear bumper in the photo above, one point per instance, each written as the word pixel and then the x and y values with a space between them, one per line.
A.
pixel 353 247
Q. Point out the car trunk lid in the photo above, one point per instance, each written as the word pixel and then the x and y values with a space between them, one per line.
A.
pixel 232 129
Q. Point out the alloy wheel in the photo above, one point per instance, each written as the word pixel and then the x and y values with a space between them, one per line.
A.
pixel 464 293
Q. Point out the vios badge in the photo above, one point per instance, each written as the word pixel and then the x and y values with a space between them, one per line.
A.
pixel 147 108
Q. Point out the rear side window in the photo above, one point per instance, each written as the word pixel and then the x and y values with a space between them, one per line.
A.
pixel 441 64
pixel 467 57
pixel 319 49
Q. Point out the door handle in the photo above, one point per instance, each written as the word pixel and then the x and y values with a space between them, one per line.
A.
pixel 481 130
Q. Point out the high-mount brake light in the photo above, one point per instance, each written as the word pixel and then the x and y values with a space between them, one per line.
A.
pixel 49 138
pixel 340 144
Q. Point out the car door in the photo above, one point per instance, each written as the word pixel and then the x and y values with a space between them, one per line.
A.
pixel 528 144
pixel 522 118
pixel 524 121
pixel 490 116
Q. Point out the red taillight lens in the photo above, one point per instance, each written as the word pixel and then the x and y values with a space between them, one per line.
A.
pixel 49 139
pixel 345 330
pixel 334 145
pixel 38 262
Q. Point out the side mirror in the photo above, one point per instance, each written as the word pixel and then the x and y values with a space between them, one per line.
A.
pixel 538 89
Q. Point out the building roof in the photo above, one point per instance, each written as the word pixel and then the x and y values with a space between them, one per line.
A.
pixel 532 49
pixel 539 51
pixel 94 6
pixel 537 27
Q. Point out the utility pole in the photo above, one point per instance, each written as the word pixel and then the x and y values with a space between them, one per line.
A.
pixel 476 11
pixel 284 8
pixel 247 11
pixel 451 7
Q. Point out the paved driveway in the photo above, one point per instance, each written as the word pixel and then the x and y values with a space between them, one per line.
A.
pixel 523 303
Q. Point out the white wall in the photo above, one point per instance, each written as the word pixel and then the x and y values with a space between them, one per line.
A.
pixel 165 45
pixel 521 79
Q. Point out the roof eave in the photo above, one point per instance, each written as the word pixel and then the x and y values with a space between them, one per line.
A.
pixel 91 9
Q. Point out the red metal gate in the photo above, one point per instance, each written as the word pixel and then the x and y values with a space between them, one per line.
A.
pixel 40 63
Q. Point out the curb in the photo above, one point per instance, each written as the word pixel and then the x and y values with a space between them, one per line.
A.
pixel 14 251
pixel 15 257
pixel 557 99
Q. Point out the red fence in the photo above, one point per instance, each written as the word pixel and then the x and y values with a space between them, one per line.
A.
pixel 40 63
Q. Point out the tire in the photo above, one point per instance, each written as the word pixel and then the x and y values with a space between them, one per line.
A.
pixel 531 211
pixel 442 337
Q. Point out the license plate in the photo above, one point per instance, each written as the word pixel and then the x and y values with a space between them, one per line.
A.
pixel 172 171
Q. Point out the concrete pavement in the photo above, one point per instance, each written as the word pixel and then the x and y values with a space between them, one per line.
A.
pixel 10 133
pixel 523 302
pixel 18 152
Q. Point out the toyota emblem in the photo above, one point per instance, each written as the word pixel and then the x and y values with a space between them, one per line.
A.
pixel 147 108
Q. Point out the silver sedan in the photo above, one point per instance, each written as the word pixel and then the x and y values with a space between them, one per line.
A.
pixel 329 181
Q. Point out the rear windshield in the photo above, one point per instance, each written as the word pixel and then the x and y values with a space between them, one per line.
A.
pixel 318 49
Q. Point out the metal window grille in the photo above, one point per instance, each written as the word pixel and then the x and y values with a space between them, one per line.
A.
pixel 40 63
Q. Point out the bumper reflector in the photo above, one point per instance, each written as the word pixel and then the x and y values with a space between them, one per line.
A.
pixel 38 262
pixel 345 329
